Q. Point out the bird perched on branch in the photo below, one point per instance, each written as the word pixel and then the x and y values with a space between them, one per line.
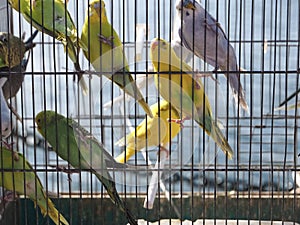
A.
pixel 15 75
pixel 203 35
pixel 12 49
pixel 18 175
pixel 105 51
pixel 176 84
pixel 52 17
pixel 151 132
pixel 83 151
pixel 13 64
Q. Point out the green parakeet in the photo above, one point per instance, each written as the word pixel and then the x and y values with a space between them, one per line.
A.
pixel 52 18
pixel 151 132
pixel 18 175
pixel 183 91
pixel 105 51
pixel 12 49
pixel 77 146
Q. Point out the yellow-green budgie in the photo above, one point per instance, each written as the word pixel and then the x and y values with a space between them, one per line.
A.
pixel 183 91
pixel 151 132
pixel 105 51
pixel 52 18
pixel 19 176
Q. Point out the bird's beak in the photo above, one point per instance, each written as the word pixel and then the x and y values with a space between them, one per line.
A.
pixel 189 4
pixel 97 5
pixel 154 44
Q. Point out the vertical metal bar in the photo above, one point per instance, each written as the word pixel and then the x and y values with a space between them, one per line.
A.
pixel 295 138
pixel 147 70
pixel 252 99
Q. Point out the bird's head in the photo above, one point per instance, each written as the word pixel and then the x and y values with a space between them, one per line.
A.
pixel 182 5
pixel 160 50
pixel 189 4
pixel 45 118
pixel 14 4
pixel 98 6
pixel 4 38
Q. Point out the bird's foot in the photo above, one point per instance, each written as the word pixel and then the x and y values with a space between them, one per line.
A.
pixel 15 112
pixel 208 74
pixel 106 40
pixel 33 3
pixel 163 149
pixel 9 196
pixel 66 170
pixel 10 147
pixel 209 23
pixel 178 121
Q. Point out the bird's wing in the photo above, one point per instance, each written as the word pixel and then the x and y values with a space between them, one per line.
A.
pixel 99 154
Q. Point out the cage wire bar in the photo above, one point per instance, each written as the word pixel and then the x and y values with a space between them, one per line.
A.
pixel 198 182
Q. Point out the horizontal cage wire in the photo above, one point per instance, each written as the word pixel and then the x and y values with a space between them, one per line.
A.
pixel 80 80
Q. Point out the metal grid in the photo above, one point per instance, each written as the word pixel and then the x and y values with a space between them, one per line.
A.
pixel 265 36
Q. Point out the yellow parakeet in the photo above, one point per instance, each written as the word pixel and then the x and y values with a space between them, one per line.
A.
pixel 105 51
pixel 183 91
pixel 52 18
pixel 151 132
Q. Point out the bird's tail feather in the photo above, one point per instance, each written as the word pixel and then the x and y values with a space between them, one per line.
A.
pixel 145 106
pixel 112 191
pixel 81 80
pixel 125 155
pixel 53 213
pixel 220 140
pixel 239 98
pixel 238 91
pixel 130 88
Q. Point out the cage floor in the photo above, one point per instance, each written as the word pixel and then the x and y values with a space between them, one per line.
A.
pixel 214 222
pixel 241 209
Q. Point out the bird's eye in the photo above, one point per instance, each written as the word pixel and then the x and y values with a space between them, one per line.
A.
pixel 38 121
pixel 187 14
pixel 3 39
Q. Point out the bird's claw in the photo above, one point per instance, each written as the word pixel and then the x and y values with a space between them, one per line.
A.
pixel 10 147
pixel 178 121
pixel 163 149
pixel 66 170
pixel 15 112
pixel 33 3
pixel 106 40
pixel 9 196
pixel 209 75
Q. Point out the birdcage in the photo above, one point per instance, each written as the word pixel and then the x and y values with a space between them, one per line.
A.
pixel 224 75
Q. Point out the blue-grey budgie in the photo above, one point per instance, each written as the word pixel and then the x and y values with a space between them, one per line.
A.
pixel 209 43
